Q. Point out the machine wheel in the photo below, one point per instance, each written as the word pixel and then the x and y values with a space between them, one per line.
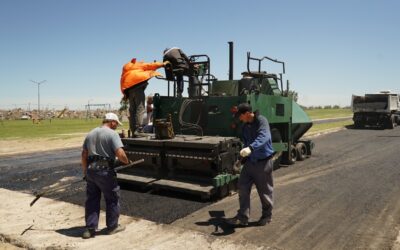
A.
pixel 301 151
pixel 395 121
pixel 293 153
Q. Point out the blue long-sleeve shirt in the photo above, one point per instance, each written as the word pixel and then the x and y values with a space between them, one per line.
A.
pixel 257 136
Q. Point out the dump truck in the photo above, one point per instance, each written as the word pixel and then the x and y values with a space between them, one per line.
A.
pixel 376 110
pixel 197 138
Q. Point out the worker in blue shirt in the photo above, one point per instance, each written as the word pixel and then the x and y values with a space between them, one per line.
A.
pixel 257 156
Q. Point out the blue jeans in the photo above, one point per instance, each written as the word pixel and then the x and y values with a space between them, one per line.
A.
pixel 102 181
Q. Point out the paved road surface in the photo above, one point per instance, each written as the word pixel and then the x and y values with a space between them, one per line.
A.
pixel 344 197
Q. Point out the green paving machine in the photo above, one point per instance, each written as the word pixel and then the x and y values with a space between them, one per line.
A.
pixel 197 138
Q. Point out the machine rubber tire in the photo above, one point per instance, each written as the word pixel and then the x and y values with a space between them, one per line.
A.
pixel 293 152
pixel 301 151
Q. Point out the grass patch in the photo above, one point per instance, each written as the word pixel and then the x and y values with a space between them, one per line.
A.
pixel 61 128
pixel 331 125
pixel 328 113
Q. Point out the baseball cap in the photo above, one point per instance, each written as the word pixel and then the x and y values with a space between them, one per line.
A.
pixel 243 108
pixel 112 117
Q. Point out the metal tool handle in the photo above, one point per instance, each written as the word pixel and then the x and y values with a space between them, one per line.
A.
pixel 129 165
pixel 51 190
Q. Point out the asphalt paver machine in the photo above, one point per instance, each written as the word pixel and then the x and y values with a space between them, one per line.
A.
pixel 199 156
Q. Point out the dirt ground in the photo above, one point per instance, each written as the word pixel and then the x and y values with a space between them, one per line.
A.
pixel 53 224
pixel 18 146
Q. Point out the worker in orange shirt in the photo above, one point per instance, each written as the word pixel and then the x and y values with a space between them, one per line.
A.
pixel 133 84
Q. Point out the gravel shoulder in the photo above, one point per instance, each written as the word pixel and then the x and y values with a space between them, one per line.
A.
pixel 52 224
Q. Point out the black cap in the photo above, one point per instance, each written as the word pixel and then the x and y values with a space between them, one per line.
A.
pixel 243 108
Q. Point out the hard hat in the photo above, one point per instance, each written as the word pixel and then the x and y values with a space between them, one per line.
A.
pixel 112 117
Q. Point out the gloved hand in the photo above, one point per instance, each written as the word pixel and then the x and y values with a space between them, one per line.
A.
pixel 245 152
pixel 166 63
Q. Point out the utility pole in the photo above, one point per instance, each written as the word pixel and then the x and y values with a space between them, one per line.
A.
pixel 88 114
pixel 38 87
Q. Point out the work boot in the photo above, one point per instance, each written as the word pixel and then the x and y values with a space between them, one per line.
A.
pixel 237 221
pixel 264 220
pixel 117 229
pixel 89 233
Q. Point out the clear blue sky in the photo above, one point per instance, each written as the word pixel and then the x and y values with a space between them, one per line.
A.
pixel 332 49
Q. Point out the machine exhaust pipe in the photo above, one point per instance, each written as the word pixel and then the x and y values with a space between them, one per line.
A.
pixel 230 61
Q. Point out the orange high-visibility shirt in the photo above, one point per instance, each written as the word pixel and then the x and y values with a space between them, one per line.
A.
pixel 137 72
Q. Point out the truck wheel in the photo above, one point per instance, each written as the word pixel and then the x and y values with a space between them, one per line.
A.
pixel 301 151
pixel 390 122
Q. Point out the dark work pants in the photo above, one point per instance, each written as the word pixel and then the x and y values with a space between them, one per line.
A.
pixel 137 99
pixel 101 181
pixel 260 174
pixel 179 84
